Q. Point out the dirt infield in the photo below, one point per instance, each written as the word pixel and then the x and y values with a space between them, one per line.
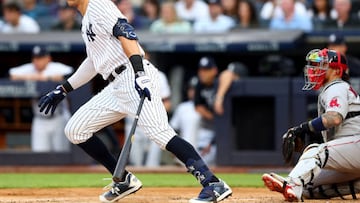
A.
pixel 145 195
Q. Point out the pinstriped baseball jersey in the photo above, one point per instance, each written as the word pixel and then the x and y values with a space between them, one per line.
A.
pixel 102 47
pixel 120 97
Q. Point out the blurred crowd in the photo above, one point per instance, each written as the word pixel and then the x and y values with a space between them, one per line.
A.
pixel 187 16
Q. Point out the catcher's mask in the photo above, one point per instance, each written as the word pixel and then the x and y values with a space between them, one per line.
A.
pixel 317 63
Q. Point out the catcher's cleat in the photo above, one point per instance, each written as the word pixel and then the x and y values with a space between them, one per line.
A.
pixel 119 190
pixel 274 182
pixel 291 192
pixel 215 192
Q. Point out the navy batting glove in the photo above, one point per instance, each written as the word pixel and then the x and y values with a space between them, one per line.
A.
pixel 51 100
pixel 142 84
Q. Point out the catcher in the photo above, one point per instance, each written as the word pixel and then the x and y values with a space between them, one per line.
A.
pixel 332 168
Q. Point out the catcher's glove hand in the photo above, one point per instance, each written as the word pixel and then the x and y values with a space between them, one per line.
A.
pixel 294 141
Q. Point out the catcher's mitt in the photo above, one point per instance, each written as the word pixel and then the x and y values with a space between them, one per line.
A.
pixel 291 143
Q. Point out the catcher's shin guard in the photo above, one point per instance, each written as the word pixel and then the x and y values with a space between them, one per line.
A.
pixel 310 163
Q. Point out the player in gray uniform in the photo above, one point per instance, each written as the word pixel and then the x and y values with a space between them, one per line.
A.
pixel 113 51
pixel 330 169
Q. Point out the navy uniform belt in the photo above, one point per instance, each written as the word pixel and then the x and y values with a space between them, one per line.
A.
pixel 117 71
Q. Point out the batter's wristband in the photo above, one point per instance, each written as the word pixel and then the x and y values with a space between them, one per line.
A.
pixel 317 124
pixel 67 87
pixel 137 63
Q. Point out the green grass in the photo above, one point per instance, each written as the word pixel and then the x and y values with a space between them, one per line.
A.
pixel 60 180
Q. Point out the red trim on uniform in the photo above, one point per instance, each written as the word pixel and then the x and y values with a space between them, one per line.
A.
pixel 352 142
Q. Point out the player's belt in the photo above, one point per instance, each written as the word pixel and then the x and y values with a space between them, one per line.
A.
pixel 116 72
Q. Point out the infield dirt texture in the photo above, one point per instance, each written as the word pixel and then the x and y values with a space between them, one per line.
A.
pixel 145 195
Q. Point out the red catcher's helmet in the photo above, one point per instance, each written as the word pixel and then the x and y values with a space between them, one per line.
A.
pixel 318 62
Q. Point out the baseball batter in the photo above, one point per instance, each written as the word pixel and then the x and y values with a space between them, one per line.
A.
pixel 330 169
pixel 113 51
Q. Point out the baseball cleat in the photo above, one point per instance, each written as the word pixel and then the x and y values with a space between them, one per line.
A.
pixel 279 184
pixel 215 192
pixel 274 182
pixel 119 190
pixel 293 193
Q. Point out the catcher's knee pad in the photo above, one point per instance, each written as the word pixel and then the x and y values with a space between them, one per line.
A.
pixel 333 190
pixel 310 163
pixel 317 151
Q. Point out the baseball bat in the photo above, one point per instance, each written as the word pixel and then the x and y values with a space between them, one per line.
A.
pixel 125 152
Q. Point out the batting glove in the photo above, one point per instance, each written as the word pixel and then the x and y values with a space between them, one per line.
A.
pixel 51 100
pixel 142 84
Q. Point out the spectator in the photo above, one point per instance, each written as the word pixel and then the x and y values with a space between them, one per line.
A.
pixel 192 10
pixel 169 21
pixel 16 22
pixel 137 21
pixel 320 13
pixel 34 9
pixel 186 119
pixel 216 23
pixel 234 72
pixel 272 8
pixel 204 102
pixel 47 134
pixel 52 6
pixel 67 20
pixel 246 15
pixel 336 41
pixel 39 12
pixel 150 9
pixel 343 17
pixel 291 20
pixel 230 8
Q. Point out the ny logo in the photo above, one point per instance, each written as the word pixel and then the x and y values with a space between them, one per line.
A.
pixel 90 34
